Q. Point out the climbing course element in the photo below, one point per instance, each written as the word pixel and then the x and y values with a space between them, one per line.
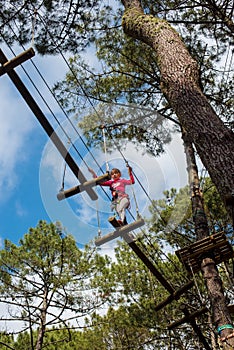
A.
pixel 83 187
pixel 120 230
pixel 46 125
pixel 16 61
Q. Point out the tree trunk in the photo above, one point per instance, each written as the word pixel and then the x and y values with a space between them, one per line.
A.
pixel 180 85
pixel 42 328
pixel 209 270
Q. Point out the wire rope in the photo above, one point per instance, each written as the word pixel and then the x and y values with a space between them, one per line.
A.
pixel 63 177
pixel 63 110
pixel 35 12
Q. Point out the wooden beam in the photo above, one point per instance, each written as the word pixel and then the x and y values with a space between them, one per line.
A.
pixel 175 295
pixel 83 187
pixel 149 264
pixel 187 318
pixel 46 126
pixel 190 318
pixel 122 231
pixel 16 61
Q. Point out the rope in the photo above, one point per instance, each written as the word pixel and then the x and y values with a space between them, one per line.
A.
pixel 196 284
pixel 33 26
pixel 135 200
pixel 98 220
pixel 64 172
pixel 60 105
pixel 105 149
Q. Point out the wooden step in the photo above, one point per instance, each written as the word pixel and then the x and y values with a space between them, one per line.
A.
pixel 120 231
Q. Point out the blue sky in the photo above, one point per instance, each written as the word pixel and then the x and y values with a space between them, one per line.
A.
pixel 31 169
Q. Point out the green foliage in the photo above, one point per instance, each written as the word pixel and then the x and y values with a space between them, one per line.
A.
pixel 215 210
pixel 171 218
pixel 63 25
pixel 6 339
pixel 121 125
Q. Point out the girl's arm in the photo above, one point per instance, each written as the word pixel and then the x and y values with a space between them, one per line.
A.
pixel 130 174
pixel 92 172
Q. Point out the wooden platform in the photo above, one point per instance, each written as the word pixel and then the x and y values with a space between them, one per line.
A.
pixel 217 244
pixel 120 231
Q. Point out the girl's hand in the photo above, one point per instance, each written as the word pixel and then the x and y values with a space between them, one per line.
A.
pixel 129 168
pixel 92 172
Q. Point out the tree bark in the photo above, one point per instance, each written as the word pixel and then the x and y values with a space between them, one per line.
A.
pixel 179 72
pixel 42 328
pixel 213 282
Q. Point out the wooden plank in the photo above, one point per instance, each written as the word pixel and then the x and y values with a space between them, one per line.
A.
pixel 16 61
pixel 46 126
pixel 82 187
pixel 121 231
pixel 205 243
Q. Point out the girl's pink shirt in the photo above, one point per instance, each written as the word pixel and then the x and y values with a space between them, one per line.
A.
pixel 119 184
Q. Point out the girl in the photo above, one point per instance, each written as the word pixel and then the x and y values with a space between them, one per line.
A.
pixel 120 199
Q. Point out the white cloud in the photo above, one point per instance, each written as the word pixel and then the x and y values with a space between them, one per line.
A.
pixel 20 210
pixel 16 124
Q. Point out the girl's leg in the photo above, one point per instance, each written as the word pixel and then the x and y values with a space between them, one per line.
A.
pixel 121 207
